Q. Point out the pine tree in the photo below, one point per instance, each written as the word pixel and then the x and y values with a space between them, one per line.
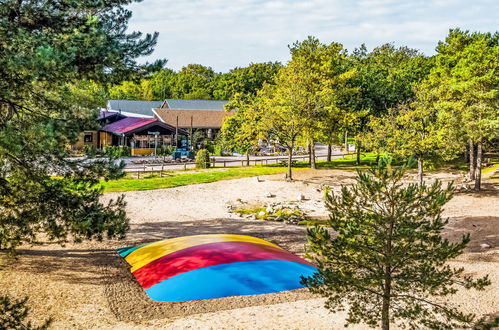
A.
pixel 47 49
pixel 387 263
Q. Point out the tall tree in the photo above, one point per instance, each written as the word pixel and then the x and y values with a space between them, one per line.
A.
pixel 245 80
pixel 241 131
pixel 194 81
pixel 465 88
pixel 46 47
pixel 285 113
pixel 385 77
pixel 409 130
pixel 387 263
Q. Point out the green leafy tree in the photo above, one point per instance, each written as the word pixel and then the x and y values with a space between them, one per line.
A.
pixel 385 78
pixel 285 112
pixel 464 85
pixel 245 80
pixel 194 81
pixel 47 48
pixel 130 90
pixel 387 263
pixel 409 130
pixel 241 132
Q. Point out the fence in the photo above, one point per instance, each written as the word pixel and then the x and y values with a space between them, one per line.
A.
pixel 159 168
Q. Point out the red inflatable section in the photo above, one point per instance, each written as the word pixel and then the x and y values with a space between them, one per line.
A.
pixel 208 255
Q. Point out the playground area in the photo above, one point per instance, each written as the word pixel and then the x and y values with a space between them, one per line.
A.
pixel 89 285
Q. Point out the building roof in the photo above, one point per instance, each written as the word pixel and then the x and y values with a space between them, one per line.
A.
pixel 134 107
pixel 127 124
pixel 200 118
pixel 177 104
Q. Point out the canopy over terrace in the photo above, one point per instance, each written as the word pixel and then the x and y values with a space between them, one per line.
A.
pixel 142 135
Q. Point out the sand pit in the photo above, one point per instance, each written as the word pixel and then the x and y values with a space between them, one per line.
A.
pixel 89 286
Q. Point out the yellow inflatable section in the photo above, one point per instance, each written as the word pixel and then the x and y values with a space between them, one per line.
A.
pixel 146 254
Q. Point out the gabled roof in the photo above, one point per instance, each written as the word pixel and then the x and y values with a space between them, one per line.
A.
pixel 134 107
pixel 177 104
pixel 132 125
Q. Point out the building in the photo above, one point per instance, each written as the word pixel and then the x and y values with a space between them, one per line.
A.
pixel 144 125
pixel 204 115
pixel 142 135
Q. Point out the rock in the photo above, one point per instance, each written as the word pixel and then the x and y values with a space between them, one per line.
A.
pixel 300 197
pixel 258 179
pixel 485 246
pixel 261 213
pixel 269 195
pixel 269 209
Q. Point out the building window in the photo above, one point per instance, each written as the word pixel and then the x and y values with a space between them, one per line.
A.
pixel 88 137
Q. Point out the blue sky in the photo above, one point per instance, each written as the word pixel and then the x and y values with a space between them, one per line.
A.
pixel 227 33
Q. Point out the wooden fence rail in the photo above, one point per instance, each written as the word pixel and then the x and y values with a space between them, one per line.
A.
pixel 159 168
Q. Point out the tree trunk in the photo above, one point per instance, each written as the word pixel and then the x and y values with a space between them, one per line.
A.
pixel 309 153
pixel 346 141
pixel 247 158
pixel 420 171
pixel 357 149
pixel 290 159
pixel 472 160
pixel 312 155
pixel 385 311
pixel 329 152
pixel 478 172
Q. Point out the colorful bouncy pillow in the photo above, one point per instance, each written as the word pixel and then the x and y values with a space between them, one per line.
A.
pixel 214 266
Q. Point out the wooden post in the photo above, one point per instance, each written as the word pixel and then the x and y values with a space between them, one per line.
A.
pixel 224 164
pixel 161 173
pixel 176 134
pixel 185 166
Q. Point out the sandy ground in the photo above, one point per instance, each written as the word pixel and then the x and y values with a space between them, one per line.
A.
pixel 88 286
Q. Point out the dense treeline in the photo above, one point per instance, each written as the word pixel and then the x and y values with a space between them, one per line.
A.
pixel 391 100
pixel 197 82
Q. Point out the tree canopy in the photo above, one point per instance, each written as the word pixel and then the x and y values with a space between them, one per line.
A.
pixel 46 49
pixel 387 263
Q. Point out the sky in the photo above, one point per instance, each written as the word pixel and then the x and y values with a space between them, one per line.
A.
pixel 224 34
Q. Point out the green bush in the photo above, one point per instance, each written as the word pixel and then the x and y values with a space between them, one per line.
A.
pixel 166 150
pixel 203 159
pixel 90 150
pixel 117 151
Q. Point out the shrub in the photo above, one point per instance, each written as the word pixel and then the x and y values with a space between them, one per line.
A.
pixel 203 159
pixel 117 151
pixel 166 150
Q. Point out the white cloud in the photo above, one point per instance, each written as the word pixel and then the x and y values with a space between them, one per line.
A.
pixel 224 33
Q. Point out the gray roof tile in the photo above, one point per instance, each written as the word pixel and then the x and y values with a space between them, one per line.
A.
pixel 176 104
pixel 138 107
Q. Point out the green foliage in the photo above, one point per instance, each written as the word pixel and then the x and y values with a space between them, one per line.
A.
pixel 166 150
pixel 117 151
pixel 388 260
pixel 54 59
pixel 241 131
pixel 13 314
pixel 203 159
pixel 464 87
pixel 247 80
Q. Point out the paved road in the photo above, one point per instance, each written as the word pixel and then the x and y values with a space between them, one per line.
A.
pixel 132 163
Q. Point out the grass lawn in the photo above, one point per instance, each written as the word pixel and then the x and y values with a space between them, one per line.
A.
pixel 180 179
